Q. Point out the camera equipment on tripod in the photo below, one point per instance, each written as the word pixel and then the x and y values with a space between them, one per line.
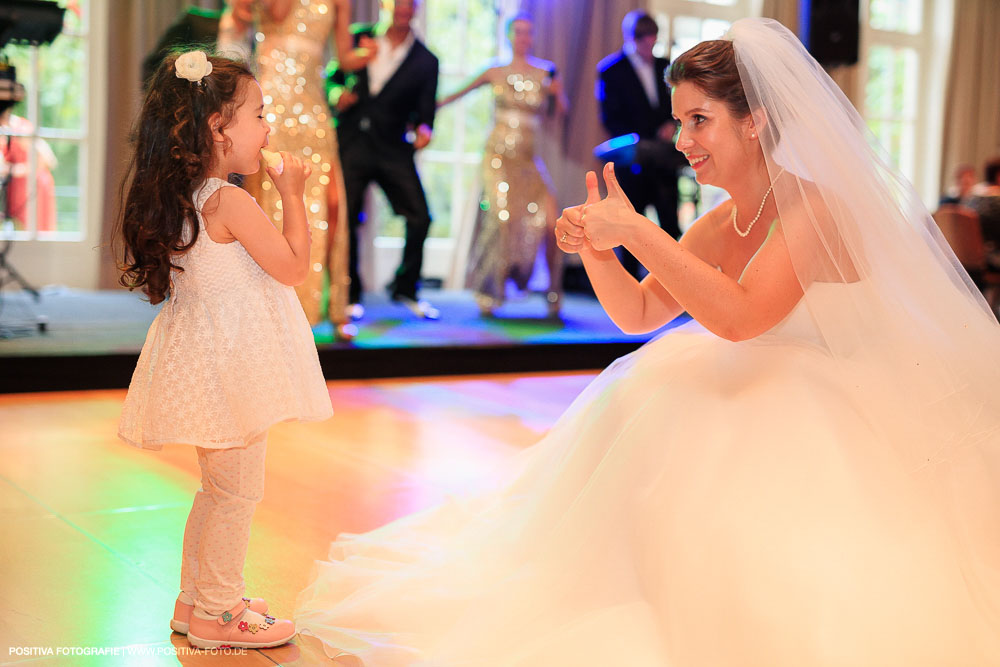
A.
pixel 10 89
pixel 36 22
pixel 30 21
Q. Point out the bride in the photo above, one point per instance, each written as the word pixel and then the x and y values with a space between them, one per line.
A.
pixel 806 474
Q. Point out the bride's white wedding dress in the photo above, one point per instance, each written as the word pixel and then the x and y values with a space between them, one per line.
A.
pixel 702 503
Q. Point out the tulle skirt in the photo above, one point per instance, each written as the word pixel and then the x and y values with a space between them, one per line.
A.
pixel 702 503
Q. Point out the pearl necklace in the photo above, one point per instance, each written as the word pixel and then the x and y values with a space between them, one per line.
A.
pixel 759 210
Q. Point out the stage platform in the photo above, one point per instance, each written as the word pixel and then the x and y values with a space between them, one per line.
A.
pixel 91 339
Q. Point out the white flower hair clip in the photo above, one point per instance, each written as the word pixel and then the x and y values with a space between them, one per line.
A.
pixel 193 66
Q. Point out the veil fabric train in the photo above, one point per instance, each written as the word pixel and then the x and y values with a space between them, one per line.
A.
pixel 823 494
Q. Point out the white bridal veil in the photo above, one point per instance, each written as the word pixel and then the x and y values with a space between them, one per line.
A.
pixel 907 309
pixel 849 217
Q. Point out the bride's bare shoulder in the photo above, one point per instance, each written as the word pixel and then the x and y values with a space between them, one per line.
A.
pixel 802 201
pixel 706 237
pixel 812 219
pixel 708 228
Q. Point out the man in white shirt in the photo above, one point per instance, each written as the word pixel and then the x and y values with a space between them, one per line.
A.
pixel 385 113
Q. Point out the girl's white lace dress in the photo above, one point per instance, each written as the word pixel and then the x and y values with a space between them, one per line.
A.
pixel 228 355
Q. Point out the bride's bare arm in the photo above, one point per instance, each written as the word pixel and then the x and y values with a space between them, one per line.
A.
pixel 634 306
pixel 735 310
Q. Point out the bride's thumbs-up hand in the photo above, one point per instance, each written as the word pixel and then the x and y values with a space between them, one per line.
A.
pixel 569 227
pixel 606 222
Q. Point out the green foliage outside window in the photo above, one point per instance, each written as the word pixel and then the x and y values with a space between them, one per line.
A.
pixel 890 95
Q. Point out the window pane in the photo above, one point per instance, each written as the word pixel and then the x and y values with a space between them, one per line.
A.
pixel 478 122
pixel 895 15
pixel 690 30
pixel 908 149
pixel 445 32
pixel 63 76
pixel 44 195
pixel 438 178
pixel 447 117
pixel 15 167
pixel 897 140
pixel 59 191
pixel 907 71
pixel 890 103
pixel 475 110
pixel 389 224
pixel 56 187
pixel 20 58
pixel 479 46
pixel 892 82
pixel 61 88
pixel 713 29
pixel 662 47
pixel 686 33
pixel 879 87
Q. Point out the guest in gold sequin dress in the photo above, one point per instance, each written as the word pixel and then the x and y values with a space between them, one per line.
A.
pixel 517 211
pixel 291 41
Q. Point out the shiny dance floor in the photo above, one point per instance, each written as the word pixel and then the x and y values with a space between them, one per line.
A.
pixel 90 553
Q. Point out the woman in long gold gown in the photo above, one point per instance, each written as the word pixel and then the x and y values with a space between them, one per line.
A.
pixel 291 38
pixel 517 211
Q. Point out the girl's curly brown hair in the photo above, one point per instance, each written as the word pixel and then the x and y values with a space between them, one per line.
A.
pixel 172 154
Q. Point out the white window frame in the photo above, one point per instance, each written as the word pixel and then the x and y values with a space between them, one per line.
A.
pixel 72 258
pixel 932 45
pixel 660 9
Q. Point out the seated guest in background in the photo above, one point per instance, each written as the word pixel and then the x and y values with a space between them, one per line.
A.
pixel 385 114
pixel 965 180
pixel 634 98
pixel 984 199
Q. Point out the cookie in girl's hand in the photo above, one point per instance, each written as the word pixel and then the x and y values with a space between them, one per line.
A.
pixel 273 160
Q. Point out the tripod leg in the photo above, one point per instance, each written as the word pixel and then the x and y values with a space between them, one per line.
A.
pixel 7 268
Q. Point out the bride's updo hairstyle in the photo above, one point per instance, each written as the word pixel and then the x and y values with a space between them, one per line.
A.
pixel 712 67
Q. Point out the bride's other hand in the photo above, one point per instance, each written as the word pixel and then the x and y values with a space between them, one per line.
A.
pixel 569 232
pixel 607 222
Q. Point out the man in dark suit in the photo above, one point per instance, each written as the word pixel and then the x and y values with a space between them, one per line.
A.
pixel 635 100
pixel 385 113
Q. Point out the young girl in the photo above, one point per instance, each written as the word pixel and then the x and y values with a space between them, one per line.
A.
pixel 230 353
